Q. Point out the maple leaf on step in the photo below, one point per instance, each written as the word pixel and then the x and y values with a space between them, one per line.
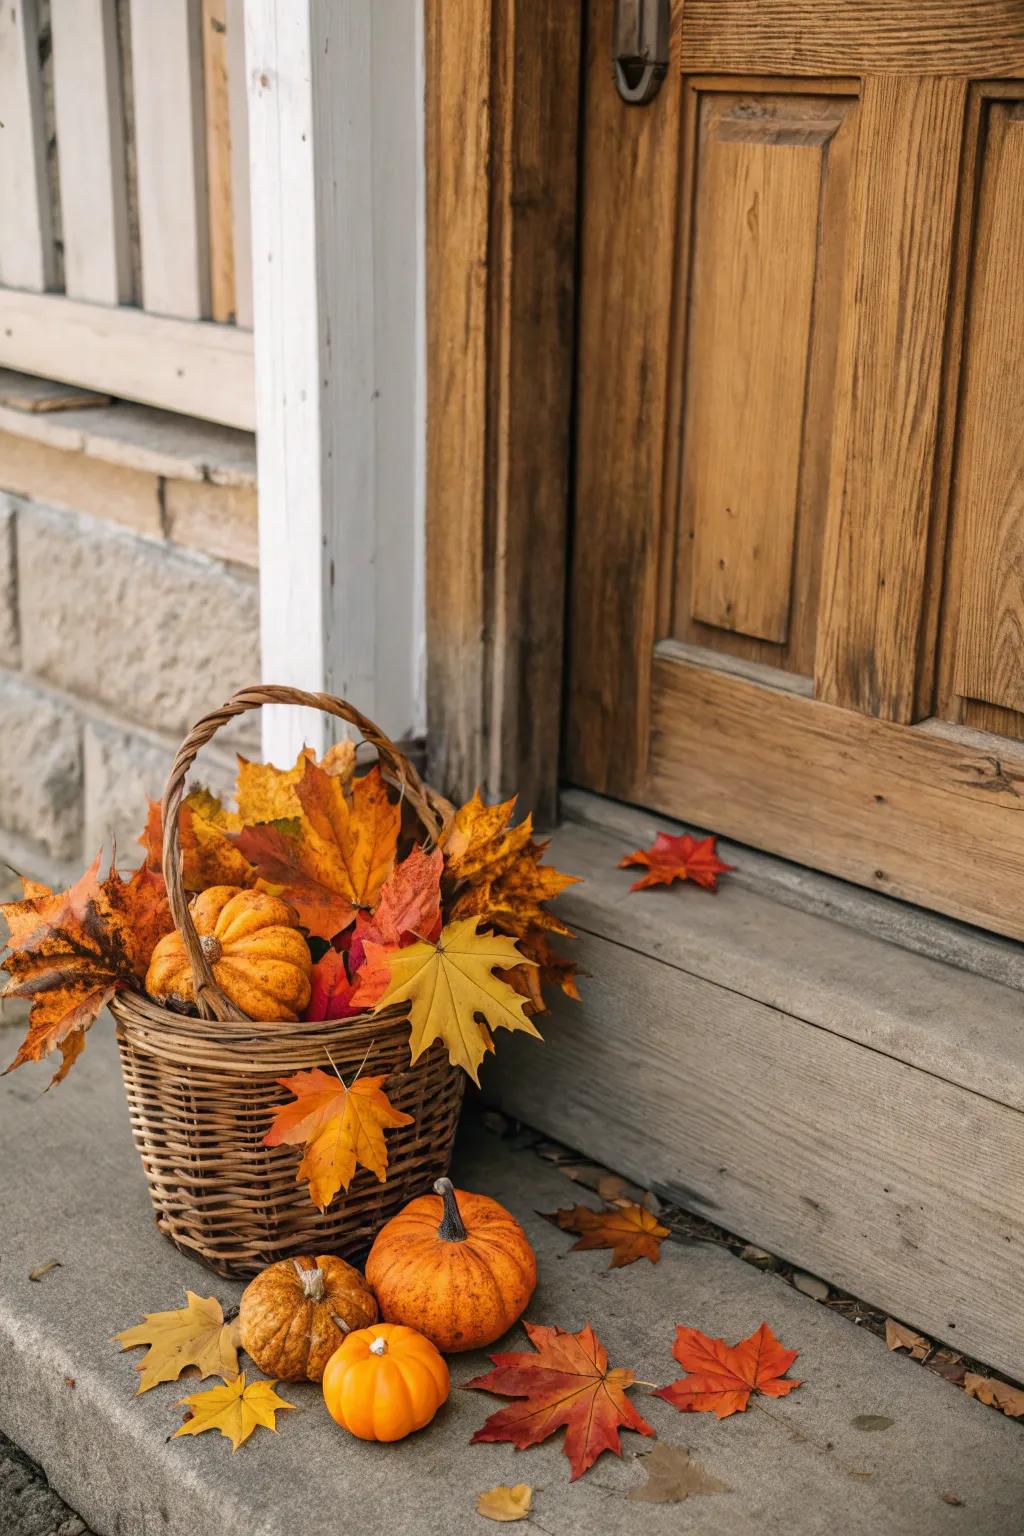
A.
pixel 447 985
pixel 565 1383
pixel 334 857
pixel 194 1336
pixel 629 1230
pixel 235 1409
pixel 720 1378
pixel 70 951
pixel 504 1503
pixel 208 857
pixel 341 1127
pixel 678 858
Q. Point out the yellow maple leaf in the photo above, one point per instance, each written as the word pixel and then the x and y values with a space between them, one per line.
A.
pixel 235 1409
pixel 266 793
pixel 505 1503
pixel 479 843
pixel 447 985
pixel 342 1127
pixel 193 1335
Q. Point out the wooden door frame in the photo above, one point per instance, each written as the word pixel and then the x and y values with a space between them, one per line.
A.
pixel 502 108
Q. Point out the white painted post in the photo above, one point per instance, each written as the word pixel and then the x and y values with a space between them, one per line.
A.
pixel 335 121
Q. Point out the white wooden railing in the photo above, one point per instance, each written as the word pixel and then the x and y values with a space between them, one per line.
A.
pixel 125 252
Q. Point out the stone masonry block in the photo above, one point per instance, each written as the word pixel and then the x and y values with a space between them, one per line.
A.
pixel 71 479
pixel 221 520
pixel 159 635
pixel 123 771
pixel 40 769
pixel 9 642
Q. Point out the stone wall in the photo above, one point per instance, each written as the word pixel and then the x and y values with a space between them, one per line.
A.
pixel 128 607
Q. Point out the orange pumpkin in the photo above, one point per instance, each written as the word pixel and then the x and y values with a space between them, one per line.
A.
pixel 454 1265
pixel 294 1315
pixel 385 1382
pixel 259 958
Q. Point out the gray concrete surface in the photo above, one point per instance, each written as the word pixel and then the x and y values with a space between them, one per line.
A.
pixel 28 1505
pixel 73 1191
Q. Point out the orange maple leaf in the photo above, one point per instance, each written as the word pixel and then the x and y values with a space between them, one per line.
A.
pixel 721 1377
pixel 208 857
pixel 70 951
pixel 409 908
pixel 341 1127
pixel 629 1230
pixel 566 1383
pixel 499 868
pixel 334 857
pixel 678 858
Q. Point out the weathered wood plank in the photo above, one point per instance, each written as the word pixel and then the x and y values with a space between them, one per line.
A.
pixel 812 37
pixel 27 257
pixel 89 111
pixel 903 206
pixel 167 89
pixel 238 112
pixel 218 160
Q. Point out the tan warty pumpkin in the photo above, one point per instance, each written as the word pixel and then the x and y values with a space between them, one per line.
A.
pixel 259 958
pixel 296 1313
pixel 459 1268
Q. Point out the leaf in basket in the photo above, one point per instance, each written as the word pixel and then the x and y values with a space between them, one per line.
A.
pixel 193 1336
pixel 409 908
pixel 341 1128
pixel 208 857
pixel 266 793
pixel 235 1409
pixel 501 868
pixel 330 989
pixel 340 761
pixel 447 986
pixel 333 858
pixel 70 951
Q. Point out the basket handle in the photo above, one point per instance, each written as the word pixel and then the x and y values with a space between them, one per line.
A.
pixel 430 808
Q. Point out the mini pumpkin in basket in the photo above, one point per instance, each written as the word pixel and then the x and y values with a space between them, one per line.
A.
pixel 344 937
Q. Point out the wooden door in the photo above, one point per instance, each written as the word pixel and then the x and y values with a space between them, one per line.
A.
pixel 797 610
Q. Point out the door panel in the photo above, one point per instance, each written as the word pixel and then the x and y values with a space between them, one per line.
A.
pixel 798 584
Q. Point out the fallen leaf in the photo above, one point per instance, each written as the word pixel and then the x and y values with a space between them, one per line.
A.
pixel 678 858
pixel 997 1394
pixel 44 1269
pixel 333 858
pixel 266 793
pixel 810 1285
pixel 235 1409
pixel 870 1422
pixel 555 969
pixel 70 951
pixel 672 1475
pixel 720 1378
pixel 447 985
pixel 341 1127
pixel 193 1335
pixel 565 1383
pixel 631 1232
pixel 899 1336
pixel 505 1503
pixel 330 989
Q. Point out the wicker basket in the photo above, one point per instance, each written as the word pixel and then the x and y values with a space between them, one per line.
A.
pixel 202 1091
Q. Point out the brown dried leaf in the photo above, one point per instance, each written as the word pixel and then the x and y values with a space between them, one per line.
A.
pixel 997 1394
pixel 899 1336
pixel 672 1475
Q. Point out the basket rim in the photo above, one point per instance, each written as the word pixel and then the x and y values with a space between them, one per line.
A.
pixel 131 1008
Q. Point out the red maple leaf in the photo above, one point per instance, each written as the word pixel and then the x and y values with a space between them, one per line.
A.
pixel 678 858
pixel 566 1383
pixel 721 1377
pixel 409 908
pixel 330 989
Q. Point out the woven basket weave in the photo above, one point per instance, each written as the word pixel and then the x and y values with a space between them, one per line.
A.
pixel 202 1091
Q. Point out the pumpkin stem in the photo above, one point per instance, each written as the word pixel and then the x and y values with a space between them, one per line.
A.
pixel 340 1323
pixel 211 947
pixel 451 1229
pixel 312 1282
pixel 379 1346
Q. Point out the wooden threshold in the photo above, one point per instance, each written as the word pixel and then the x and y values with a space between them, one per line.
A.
pixel 848 1103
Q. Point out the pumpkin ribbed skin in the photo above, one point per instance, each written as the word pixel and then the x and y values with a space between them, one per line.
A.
pixel 457 1266
pixel 259 958
pixel 293 1316
pixel 385 1382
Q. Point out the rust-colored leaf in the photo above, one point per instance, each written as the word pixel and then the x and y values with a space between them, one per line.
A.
pixel 70 951
pixel 631 1232
pixel 720 1378
pixel 341 1128
pixel 480 844
pixel 899 1336
pixel 565 1383
pixel 678 858
pixel 330 989
pixel 555 969
pixel 997 1394
pixel 208 856
pixel 409 909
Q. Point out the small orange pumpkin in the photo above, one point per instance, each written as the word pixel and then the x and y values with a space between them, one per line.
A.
pixel 385 1382
pixel 459 1268
pixel 294 1315
pixel 259 958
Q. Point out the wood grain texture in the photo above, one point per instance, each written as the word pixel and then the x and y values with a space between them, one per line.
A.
pixel 238 112
pixel 855 37
pixel 501 252
pixel 218 160
pixel 27 254
pixel 89 110
pixel 890 1182
pixel 988 510
pixel 903 206
pixel 930 814
pixel 756 246
pixel 628 244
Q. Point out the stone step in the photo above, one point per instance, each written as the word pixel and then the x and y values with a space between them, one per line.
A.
pixel 836 1076
pixel 74 1192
